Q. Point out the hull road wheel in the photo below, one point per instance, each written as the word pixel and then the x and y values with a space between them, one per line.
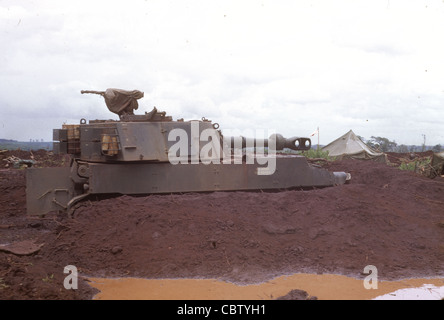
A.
pixel 71 208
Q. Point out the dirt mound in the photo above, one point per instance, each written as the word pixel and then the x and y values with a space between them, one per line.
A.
pixel 41 158
pixel 385 217
pixel 297 294
pixel 397 159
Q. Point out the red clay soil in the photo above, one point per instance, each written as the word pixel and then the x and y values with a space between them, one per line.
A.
pixel 398 158
pixel 385 217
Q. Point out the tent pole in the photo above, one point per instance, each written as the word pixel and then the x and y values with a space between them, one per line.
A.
pixel 318 138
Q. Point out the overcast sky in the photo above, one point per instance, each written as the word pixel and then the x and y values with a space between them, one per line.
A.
pixel 375 66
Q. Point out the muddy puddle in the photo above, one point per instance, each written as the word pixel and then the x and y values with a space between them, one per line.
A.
pixel 324 287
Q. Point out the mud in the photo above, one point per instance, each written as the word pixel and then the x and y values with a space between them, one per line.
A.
pixel 385 217
pixel 321 287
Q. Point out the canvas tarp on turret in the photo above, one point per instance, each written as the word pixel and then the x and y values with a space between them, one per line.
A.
pixel 121 102
pixel 350 146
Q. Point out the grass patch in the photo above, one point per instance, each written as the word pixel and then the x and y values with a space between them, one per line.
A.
pixel 3 285
pixel 318 154
pixel 48 278
pixel 418 166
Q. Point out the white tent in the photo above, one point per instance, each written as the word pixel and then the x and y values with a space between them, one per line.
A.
pixel 350 146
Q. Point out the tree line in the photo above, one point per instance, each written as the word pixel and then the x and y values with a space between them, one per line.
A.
pixel 385 145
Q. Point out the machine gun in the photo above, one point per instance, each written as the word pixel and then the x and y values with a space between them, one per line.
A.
pixel 120 102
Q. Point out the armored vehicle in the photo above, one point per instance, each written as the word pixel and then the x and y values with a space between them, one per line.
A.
pixel 153 154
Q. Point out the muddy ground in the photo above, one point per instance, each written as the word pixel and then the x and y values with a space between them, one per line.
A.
pixel 385 217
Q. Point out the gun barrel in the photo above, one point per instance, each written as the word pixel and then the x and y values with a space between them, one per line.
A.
pixel 275 141
pixel 93 92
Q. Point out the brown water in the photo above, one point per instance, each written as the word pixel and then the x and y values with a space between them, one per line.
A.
pixel 324 287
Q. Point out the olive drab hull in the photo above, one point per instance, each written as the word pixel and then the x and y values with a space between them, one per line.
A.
pixel 152 154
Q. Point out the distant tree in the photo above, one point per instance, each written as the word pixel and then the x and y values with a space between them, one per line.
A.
pixel 371 144
pixel 383 144
pixel 403 148
pixel 437 148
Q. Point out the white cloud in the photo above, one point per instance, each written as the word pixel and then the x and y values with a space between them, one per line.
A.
pixel 372 66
